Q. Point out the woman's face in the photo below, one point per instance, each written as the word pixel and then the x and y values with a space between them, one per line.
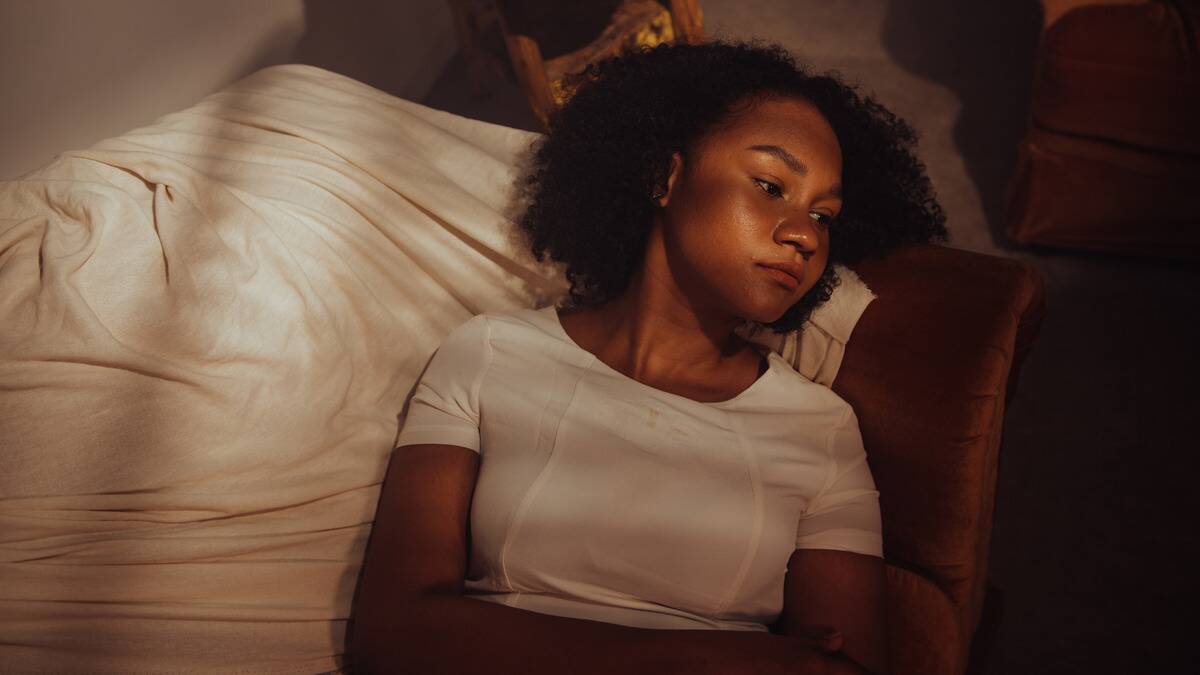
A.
pixel 754 196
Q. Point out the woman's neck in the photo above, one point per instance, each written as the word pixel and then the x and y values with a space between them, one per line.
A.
pixel 652 332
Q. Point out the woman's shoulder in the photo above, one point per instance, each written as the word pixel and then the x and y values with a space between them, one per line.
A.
pixel 791 391
pixel 520 324
pixel 519 338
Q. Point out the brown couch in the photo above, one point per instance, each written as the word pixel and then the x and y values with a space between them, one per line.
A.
pixel 1111 161
pixel 929 369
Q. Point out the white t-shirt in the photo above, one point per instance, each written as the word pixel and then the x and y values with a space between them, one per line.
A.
pixel 603 498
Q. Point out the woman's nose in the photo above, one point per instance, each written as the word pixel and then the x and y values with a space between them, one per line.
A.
pixel 801 232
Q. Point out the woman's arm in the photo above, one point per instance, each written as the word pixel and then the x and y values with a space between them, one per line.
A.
pixel 827 589
pixel 411 616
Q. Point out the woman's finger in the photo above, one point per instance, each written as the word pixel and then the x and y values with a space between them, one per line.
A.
pixel 824 638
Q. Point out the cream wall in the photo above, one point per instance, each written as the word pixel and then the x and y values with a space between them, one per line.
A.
pixel 75 71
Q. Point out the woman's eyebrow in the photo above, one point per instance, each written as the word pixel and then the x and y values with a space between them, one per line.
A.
pixel 784 156
pixel 793 163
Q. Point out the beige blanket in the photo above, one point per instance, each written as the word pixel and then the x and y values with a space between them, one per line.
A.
pixel 208 328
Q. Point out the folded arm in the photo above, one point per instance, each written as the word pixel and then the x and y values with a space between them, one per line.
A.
pixel 411 614
pixel 836 577
pixel 828 590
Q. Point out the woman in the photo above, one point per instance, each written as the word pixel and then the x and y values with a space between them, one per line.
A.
pixel 626 483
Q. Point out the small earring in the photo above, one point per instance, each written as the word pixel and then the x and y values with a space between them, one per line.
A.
pixel 658 195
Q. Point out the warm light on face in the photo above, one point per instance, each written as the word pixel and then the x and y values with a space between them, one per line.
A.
pixel 750 212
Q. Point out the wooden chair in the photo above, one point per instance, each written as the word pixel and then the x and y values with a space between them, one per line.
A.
pixel 545 41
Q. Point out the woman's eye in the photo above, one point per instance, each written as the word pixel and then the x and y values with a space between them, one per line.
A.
pixel 822 218
pixel 771 188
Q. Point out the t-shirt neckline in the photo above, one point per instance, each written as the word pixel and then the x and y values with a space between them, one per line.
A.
pixel 553 320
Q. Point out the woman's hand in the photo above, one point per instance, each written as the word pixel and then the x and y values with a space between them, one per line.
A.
pixel 817 653
pixel 410 615
pixel 828 640
pixel 842 589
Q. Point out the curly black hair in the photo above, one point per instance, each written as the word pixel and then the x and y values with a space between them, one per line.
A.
pixel 586 199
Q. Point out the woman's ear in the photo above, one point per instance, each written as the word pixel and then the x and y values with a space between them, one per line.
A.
pixel 664 196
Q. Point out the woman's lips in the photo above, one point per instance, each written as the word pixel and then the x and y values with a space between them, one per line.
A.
pixel 787 278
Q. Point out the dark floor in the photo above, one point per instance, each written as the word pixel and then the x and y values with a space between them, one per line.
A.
pixel 1094 552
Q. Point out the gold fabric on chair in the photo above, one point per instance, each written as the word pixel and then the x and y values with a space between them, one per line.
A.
pixel 546 41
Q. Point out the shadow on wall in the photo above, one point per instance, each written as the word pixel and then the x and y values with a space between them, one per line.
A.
pixel 78 72
pixel 398 47
pixel 983 52
pixel 68 102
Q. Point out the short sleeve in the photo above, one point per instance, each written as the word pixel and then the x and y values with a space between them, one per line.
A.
pixel 444 408
pixel 845 514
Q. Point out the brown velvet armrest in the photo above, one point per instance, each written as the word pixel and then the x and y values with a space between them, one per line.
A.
pixel 928 371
